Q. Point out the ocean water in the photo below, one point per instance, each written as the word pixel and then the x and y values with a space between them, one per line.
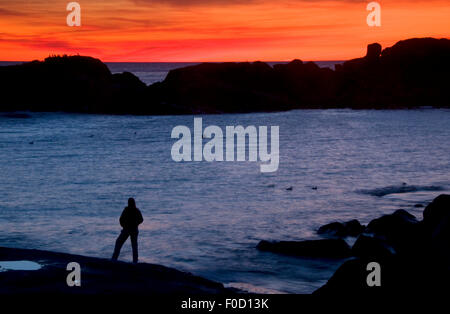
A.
pixel 65 179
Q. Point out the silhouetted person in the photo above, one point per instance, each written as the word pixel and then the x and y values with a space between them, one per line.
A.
pixel 130 219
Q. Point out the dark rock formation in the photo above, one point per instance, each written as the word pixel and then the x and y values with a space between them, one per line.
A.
pixel 373 52
pixel 436 212
pixel 98 276
pixel 411 73
pixel 389 80
pixel 436 219
pixel 399 230
pixel 223 87
pixel 350 228
pixel 57 84
pixel 70 84
pixel 372 247
pixel 388 224
pixel 403 76
pixel 413 255
pixel 328 248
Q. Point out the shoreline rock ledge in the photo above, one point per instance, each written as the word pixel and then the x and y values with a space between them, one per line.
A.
pixel 414 256
pixel 412 73
pixel 98 276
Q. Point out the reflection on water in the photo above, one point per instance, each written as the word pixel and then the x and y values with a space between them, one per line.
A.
pixel 19 265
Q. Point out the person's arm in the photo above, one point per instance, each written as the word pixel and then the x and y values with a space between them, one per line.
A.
pixel 122 219
pixel 140 219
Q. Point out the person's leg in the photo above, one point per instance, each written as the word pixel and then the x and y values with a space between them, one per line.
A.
pixel 119 243
pixel 134 245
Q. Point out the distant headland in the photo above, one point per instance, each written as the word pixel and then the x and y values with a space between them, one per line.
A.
pixel 412 73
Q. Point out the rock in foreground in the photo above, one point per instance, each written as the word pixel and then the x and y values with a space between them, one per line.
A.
pixel 98 276
pixel 328 248
pixel 350 228
pixel 413 255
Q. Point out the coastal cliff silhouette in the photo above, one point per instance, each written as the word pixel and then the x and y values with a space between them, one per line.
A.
pixel 412 73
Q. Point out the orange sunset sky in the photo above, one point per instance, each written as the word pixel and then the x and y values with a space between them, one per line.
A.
pixel 213 30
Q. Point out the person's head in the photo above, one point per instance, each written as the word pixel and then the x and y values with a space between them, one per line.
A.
pixel 131 203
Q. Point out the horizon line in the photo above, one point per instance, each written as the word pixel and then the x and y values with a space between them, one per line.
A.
pixel 235 61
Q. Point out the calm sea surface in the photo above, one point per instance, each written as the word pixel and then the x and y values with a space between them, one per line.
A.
pixel 65 179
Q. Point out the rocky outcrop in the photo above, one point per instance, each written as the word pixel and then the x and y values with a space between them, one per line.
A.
pixel 350 228
pixel 436 220
pixel 370 246
pixel 328 248
pixel 70 84
pixel 413 255
pixel 390 78
pixel 409 74
pixel 98 276
pixel 400 230
pixel 65 83
pixel 373 52
pixel 436 213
